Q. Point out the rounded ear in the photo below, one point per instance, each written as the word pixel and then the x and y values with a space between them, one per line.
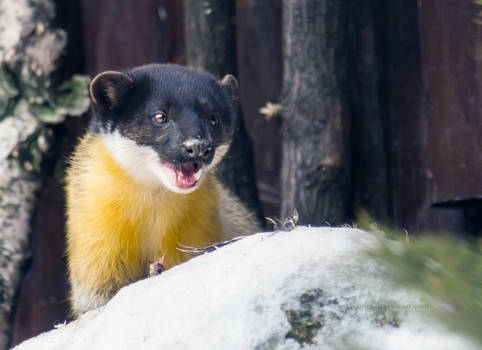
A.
pixel 231 86
pixel 107 88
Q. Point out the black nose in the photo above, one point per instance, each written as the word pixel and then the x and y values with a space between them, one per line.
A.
pixel 197 149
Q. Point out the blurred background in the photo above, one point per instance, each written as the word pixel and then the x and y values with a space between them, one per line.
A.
pixel 344 105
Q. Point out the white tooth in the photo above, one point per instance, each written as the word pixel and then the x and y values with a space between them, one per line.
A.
pixel 197 175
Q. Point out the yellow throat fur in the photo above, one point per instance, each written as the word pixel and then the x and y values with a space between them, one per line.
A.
pixel 117 225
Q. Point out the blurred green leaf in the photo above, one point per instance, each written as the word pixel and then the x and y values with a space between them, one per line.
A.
pixel 73 96
pixel 446 270
pixel 46 113
pixel 8 83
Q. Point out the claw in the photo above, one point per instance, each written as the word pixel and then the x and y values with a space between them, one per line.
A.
pixel 287 224
pixel 157 267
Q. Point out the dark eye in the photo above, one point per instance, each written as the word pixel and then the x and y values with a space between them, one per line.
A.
pixel 159 118
pixel 214 119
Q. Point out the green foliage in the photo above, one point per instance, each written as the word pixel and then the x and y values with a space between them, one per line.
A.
pixel 7 82
pixel 24 93
pixel 50 104
pixel 8 90
pixel 446 270
pixel 29 152
pixel 71 98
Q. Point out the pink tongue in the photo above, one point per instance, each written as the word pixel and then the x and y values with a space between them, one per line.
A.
pixel 185 175
pixel 189 169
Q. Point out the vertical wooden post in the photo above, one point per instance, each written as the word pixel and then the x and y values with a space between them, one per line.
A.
pixel 258 38
pixel 316 158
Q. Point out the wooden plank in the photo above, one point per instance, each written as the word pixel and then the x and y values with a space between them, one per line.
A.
pixel 369 121
pixel 452 71
pixel 260 74
pixel 119 34
pixel 406 158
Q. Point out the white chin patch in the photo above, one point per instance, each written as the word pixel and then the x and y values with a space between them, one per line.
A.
pixel 144 165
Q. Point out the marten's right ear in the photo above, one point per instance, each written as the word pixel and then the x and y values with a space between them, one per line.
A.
pixel 108 88
pixel 230 84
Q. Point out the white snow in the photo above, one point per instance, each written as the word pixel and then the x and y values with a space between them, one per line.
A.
pixel 17 199
pixel 239 296
pixel 15 25
pixel 14 130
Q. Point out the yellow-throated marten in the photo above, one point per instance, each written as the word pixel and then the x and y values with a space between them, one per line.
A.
pixel 141 180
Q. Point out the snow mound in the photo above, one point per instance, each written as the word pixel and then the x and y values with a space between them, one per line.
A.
pixel 307 288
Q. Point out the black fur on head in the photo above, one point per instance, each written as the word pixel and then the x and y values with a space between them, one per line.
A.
pixel 181 113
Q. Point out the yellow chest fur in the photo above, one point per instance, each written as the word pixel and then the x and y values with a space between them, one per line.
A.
pixel 117 225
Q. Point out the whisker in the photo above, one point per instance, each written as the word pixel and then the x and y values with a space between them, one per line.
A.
pixel 194 251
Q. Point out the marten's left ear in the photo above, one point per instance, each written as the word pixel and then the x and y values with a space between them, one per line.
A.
pixel 108 88
pixel 231 86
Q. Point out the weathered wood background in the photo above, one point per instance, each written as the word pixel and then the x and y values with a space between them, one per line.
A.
pixel 412 89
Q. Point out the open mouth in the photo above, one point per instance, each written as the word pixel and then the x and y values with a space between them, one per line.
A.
pixel 185 175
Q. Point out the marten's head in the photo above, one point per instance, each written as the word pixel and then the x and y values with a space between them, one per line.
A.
pixel 165 124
